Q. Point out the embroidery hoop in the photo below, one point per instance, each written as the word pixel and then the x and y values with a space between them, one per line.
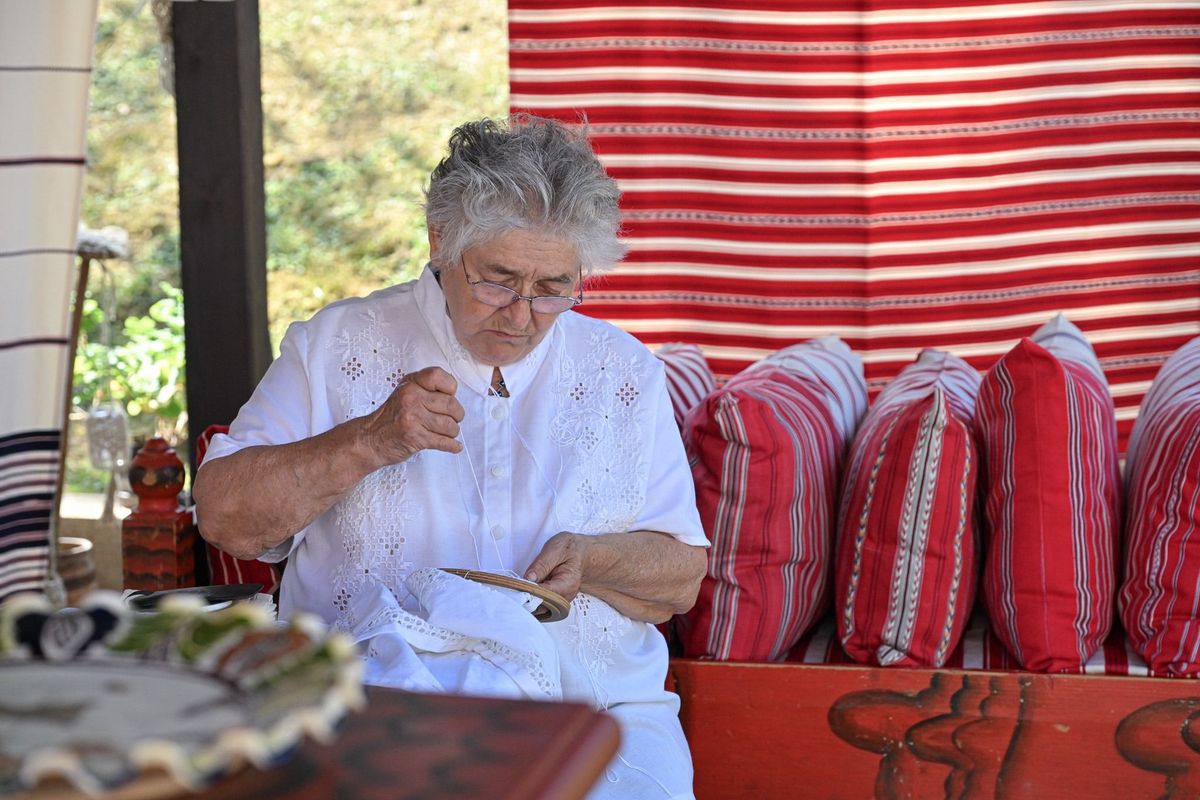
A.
pixel 554 606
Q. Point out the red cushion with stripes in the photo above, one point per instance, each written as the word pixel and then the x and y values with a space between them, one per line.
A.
pixel 906 562
pixel 224 569
pixel 767 450
pixel 689 378
pixel 1050 485
pixel 1161 590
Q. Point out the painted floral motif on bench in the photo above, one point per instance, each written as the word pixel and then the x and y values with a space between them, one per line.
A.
pixel 980 736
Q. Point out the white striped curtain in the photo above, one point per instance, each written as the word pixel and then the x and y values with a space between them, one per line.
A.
pixel 903 175
pixel 45 73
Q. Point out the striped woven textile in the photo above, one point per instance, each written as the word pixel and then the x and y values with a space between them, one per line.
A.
pixel 689 378
pixel 767 452
pixel 905 572
pixel 1050 490
pixel 903 175
pixel 45 73
pixel 978 649
pixel 1161 587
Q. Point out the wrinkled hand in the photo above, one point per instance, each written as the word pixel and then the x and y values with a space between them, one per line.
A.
pixel 421 414
pixel 559 567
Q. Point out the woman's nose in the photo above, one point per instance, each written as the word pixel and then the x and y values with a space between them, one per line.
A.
pixel 518 314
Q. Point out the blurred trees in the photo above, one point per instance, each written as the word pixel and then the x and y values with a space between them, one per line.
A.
pixel 359 98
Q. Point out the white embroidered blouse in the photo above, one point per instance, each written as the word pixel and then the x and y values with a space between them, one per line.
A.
pixel 585 442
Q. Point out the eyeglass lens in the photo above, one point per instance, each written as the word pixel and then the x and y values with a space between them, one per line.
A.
pixel 501 296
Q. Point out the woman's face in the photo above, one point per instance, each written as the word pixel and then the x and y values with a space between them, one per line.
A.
pixel 529 263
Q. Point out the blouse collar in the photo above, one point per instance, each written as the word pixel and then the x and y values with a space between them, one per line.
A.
pixel 478 376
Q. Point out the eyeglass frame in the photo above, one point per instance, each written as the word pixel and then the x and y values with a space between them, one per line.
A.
pixel 484 285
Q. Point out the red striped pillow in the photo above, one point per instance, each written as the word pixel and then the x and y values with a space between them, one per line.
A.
pixel 906 563
pixel 689 378
pixel 767 448
pixel 1050 484
pixel 1162 537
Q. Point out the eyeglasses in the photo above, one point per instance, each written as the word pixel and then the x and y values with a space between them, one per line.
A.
pixel 498 296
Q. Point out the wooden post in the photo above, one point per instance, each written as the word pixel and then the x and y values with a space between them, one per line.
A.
pixel 158 540
pixel 218 101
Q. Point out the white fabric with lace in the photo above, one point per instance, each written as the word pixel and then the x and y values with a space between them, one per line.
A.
pixel 586 442
pixel 465 637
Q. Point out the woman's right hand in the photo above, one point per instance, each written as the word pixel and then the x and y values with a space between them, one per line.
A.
pixel 421 414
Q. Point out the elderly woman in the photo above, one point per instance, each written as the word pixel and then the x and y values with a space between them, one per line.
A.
pixel 471 419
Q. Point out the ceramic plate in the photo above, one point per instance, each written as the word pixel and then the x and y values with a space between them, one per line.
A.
pixel 100 699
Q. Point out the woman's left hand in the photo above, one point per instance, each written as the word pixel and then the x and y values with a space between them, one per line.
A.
pixel 645 575
pixel 559 567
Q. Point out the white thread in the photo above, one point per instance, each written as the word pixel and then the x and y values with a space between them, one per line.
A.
pixel 533 457
pixel 611 776
pixel 483 506
pixel 581 647
pixel 657 782
pixel 504 569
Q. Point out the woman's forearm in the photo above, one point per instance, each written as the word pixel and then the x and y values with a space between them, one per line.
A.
pixel 652 573
pixel 254 499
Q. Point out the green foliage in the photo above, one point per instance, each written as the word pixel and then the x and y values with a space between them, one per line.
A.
pixel 142 369
pixel 132 170
pixel 359 98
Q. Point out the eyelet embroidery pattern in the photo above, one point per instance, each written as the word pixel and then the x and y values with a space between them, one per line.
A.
pixel 369 364
pixel 420 582
pixel 372 519
pixel 597 629
pixel 598 399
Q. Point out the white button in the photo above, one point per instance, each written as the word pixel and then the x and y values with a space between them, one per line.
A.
pixel 497 532
pixel 499 411
pixel 497 471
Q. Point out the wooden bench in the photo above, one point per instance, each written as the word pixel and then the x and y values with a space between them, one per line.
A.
pixel 792 730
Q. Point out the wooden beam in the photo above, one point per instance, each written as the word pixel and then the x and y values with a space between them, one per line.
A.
pixel 222 218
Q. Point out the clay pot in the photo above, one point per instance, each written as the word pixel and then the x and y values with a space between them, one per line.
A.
pixel 76 567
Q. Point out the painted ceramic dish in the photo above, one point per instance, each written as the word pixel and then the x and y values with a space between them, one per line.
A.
pixel 107 702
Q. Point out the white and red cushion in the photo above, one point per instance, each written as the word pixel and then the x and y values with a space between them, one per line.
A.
pixel 906 565
pixel 689 378
pixel 1161 590
pixel 1050 484
pixel 767 449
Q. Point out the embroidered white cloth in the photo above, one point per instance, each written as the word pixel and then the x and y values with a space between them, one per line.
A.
pixel 586 442
pixel 464 637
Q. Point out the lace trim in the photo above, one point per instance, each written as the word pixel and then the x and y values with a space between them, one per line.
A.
pixel 420 582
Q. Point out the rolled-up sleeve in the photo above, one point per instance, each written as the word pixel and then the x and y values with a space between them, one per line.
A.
pixel 278 412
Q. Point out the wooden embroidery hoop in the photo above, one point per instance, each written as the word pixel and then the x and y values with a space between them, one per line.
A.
pixel 554 606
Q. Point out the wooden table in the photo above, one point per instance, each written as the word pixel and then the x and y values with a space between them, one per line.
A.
pixel 438 746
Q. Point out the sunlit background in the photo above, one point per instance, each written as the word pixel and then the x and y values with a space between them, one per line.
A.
pixel 359 97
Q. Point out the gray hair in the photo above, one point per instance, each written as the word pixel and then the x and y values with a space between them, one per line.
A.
pixel 532 174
